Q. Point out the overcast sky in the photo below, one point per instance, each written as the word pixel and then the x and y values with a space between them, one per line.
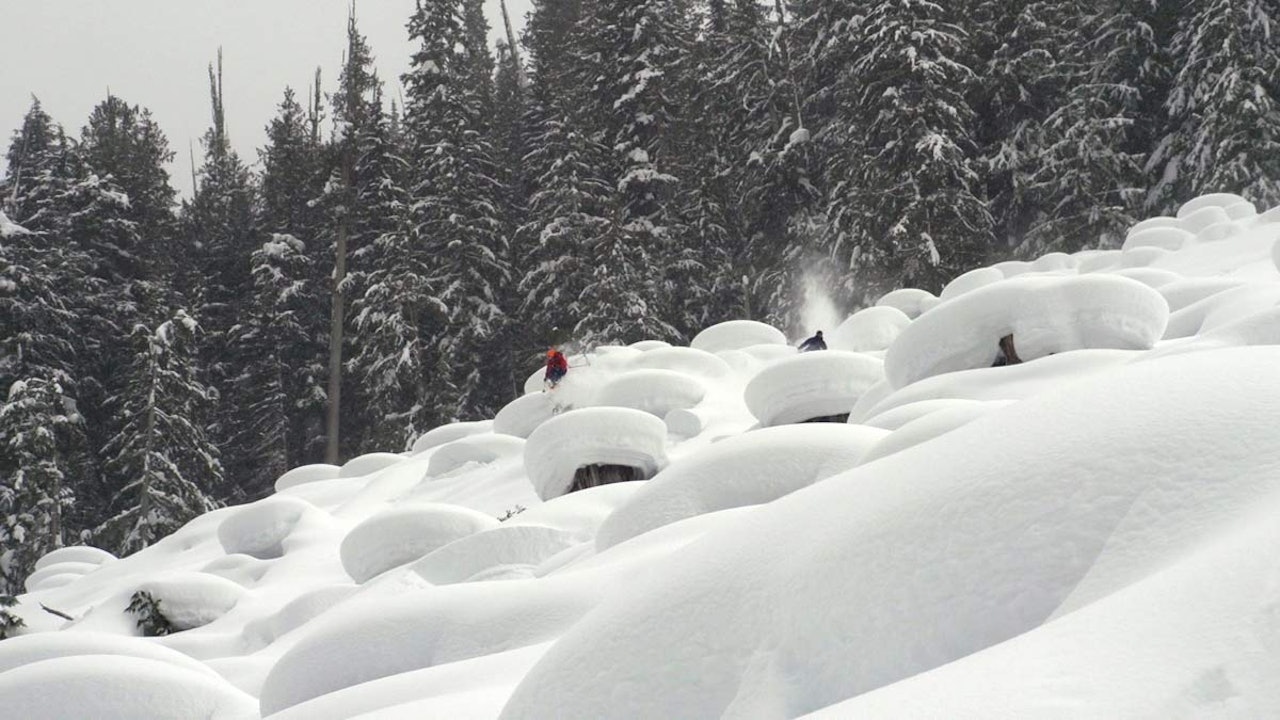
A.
pixel 155 53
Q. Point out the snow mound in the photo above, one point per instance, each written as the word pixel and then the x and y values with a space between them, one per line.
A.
pixel 520 416
pixel 1045 315
pixel 750 469
pixel 298 612
pixel 75 553
pixel 259 530
pixel 27 649
pixel 357 643
pixel 647 345
pixel 118 687
pixel 970 281
pixel 40 578
pixel 369 464
pixel 511 548
pixel 448 433
pixel 404 534
pixel 737 334
pixel 912 302
pixel 698 363
pixel 811 385
pixel 868 330
pixel 932 425
pixel 192 599
pixel 594 436
pixel 656 392
pixel 306 474
pixel 1167 238
pixel 1211 200
pixel 1205 217
pixel 580 513
pixel 1009 540
pixel 473 449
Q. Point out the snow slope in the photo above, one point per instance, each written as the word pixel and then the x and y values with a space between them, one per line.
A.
pixel 1089 534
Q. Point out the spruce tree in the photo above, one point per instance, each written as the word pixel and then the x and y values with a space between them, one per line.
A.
pixel 1223 115
pixel 163 449
pixel 456 209
pixel 906 204
pixel 292 176
pixel 1090 180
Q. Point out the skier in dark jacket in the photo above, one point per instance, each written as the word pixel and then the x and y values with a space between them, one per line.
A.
pixel 814 343
pixel 557 368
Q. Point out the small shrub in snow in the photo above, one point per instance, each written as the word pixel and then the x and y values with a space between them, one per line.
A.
pixel 8 621
pixel 512 513
pixel 151 621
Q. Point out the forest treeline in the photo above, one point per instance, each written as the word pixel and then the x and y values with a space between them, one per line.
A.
pixel 630 169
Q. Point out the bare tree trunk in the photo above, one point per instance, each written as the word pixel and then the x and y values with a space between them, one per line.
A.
pixel 337 322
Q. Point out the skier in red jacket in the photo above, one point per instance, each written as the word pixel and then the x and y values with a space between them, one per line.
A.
pixel 557 368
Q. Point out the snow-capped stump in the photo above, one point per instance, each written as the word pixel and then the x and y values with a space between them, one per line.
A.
pixel 38 580
pixel 969 281
pixel 1092 261
pixel 1202 218
pixel 119 687
pixel 1243 210
pixel 911 301
pixel 75 553
pixel 1044 315
pixel 1168 238
pixel 448 433
pixel 1210 200
pixel 811 386
pixel 870 329
pixel 482 449
pixel 404 534
pixel 1054 262
pixel 515 548
pixel 750 469
pixel 369 464
pixel 1186 291
pixel 698 363
pixel 192 599
pixel 1221 308
pixel 1141 256
pixel 306 474
pixel 656 392
pixel 519 417
pixel 23 650
pixel 647 345
pixel 1151 277
pixel 259 530
pixel 737 334
pixel 561 452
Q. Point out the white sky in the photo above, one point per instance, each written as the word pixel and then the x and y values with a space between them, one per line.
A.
pixel 155 53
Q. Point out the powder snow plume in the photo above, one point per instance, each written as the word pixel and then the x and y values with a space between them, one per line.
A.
pixel 819 311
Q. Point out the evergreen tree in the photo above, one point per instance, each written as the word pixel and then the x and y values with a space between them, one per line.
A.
pixel 292 176
pixel 37 428
pixel 276 336
pixel 219 223
pixel 1223 115
pixel 456 214
pixel 163 448
pixel 1090 179
pixel 906 205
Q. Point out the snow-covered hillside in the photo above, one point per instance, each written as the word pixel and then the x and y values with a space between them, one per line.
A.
pixel 1088 534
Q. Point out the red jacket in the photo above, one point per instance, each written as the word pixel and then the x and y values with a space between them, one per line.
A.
pixel 557 363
